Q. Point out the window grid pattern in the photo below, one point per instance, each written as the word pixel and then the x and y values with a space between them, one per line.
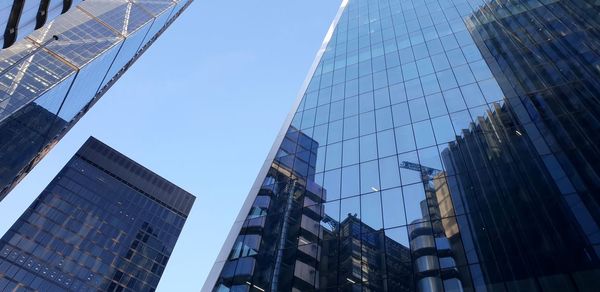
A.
pixel 93 49
pixel 88 231
pixel 437 147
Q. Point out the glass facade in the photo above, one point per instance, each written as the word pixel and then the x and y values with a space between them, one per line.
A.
pixel 52 77
pixel 439 145
pixel 19 18
pixel 105 223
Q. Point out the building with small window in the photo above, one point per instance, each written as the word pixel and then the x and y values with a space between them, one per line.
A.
pixel 52 76
pixel 104 223
pixel 457 143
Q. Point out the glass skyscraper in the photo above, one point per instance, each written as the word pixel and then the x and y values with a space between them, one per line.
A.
pixel 105 223
pixel 51 78
pixel 19 18
pixel 437 145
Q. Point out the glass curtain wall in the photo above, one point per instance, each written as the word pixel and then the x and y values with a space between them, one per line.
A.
pixel 51 78
pixel 441 145
pixel 104 223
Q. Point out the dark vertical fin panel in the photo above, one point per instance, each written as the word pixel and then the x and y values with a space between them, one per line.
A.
pixel 10 34
pixel 42 14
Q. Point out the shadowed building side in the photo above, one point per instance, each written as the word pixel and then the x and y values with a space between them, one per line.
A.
pixel 104 223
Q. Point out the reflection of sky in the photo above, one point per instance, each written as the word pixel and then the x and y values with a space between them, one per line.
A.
pixel 194 110
pixel 365 138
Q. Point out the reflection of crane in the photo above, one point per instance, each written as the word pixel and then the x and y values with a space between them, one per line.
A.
pixel 425 171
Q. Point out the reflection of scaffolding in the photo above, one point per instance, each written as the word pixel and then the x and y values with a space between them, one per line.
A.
pixel 333 224
pixel 434 263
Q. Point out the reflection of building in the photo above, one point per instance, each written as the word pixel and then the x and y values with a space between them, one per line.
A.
pixel 466 131
pixel 24 133
pixel 64 67
pixel 262 248
pixel 435 266
pixel 363 254
pixel 528 170
pixel 104 223
pixel 509 187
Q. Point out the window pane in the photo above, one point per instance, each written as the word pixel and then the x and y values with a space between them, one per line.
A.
pixel 408 174
pixel 393 208
pixel 423 134
pixel 368 148
pixel 386 144
pixel 365 102
pixel 335 132
pixel 436 105
pixel 400 114
pixel 415 203
pixel 367 123
pixel 334 156
pixel 351 127
pixel 384 119
pixel 350 181
pixel 369 177
pixel 370 210
pixel 389 173
pixel 418 110
pixel 331 184
pixel 404 139
pixel 350 207
pixel 350 152
pixel 442 127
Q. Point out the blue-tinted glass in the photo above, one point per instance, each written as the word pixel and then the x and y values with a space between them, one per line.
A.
pixel 393 208
pixel 322 115
pixel 397 93
pixel 405 140
pixel 389 173
pixel 350 181
pixel 442 127
pixel 382 98
pixel 334 156
pixel 400 114
pixel 370 210
pixel 351 127
pixel 472 95
pixel 483 110
pixel 436 105
pixel 331 183
pixel 415 203
pixel 365 102
pixel 350 207
pixel 369 177
pixel 418 110
pixel 336 111
pixel 413 89
pixel 351 106
pixel 384 119
pixel 367 123
pixel 350 152
pixel 454 100
pixel 408 174
pixel 423 134
pixel 335 131
pixel 368 147
pixel 61 243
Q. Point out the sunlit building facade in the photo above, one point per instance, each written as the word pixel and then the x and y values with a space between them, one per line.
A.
pixel 455 149
pixel 19 18
pixel 51 78
pixel 105 223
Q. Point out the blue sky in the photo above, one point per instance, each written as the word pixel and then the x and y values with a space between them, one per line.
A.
pixel 201 108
